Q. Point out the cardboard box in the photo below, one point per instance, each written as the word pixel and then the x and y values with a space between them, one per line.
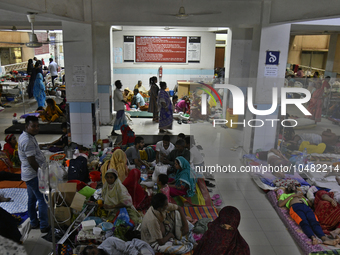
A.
pixel 68 196
pixel 63 215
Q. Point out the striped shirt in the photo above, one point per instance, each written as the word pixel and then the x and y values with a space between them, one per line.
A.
pixel 28 147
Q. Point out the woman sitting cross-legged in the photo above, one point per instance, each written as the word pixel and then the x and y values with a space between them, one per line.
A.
pixel 185 181
pixel 52 112
pixel 222 236
pixel 165 227
pixel 11 149
pixel 115 196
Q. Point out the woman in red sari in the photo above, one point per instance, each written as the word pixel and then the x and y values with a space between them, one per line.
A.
pixel 316 101
pixel 222 236
pixel 327 210
pixel 140 198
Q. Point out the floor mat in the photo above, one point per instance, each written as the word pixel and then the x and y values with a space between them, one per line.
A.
pixel 53 129
pixel 295 230
pixel 200 212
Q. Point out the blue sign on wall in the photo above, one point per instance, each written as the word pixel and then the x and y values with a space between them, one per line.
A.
pixel 272 57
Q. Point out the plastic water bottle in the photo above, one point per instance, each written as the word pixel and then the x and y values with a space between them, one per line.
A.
pixel 304 155
pixel 43 179
pixel 99 148
pixel 15 119
pixel 94 147
pixel 155 189
pixel 299 162
pixel 144 173
pixel 76 151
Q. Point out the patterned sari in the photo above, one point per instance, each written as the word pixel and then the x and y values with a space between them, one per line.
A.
pixel 166 113
pixel 328 215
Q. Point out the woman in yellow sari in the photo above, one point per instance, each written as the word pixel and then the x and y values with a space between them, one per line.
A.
pixel 128 95
pixel 52 112
pixel 116 196
pixel 118 161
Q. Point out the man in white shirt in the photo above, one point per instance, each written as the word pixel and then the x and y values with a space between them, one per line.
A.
pixel 163 148
pixel 32 158
pixel 196 158
pixel 53 68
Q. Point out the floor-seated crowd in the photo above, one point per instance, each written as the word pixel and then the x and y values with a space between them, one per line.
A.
pixel 164 228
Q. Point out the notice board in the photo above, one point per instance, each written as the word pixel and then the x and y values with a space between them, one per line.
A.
pixel 161 49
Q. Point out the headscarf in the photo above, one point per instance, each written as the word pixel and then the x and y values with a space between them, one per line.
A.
pixel 135 190
pixel 8 138
pixel 116 193
pixel 129 96
pixel 185 176
pixel 127 134
pixel 118 161
pixel 218 240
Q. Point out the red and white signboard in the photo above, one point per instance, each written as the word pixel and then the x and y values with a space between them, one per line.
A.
pixel 161 49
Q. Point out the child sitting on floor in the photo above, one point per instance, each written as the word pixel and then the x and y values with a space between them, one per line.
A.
pixel 162 182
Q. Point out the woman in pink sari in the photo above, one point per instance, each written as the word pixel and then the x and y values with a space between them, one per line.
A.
pixel 316 102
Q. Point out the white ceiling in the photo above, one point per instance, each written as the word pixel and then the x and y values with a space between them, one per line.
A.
pixel 154 14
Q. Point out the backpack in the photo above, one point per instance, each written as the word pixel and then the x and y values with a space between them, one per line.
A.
pixel 77 169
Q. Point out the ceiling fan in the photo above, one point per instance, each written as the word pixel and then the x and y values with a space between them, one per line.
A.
pixel 183 15
pixel 33 39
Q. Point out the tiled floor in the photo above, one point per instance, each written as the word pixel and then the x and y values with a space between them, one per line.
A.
pixel 260 225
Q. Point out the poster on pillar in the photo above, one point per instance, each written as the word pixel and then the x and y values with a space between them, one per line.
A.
pixel 79 76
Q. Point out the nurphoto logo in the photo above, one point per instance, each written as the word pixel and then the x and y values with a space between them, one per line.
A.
pixel 239 103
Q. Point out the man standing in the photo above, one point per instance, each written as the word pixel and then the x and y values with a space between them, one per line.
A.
pixel 119 107
pixel 31 159
pixel 53 68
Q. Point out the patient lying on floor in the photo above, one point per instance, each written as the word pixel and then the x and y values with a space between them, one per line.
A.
pixel 302 214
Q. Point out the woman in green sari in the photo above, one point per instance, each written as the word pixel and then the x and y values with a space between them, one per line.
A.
pixel 116 196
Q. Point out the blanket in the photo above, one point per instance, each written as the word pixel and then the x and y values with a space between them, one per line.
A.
pixel 19 200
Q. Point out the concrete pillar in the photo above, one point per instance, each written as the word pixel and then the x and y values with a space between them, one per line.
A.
pixel 331 56
pixel 102 59
pixel 273 38
pixel 81 82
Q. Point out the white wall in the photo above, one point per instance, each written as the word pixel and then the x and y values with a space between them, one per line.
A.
pixel 129 73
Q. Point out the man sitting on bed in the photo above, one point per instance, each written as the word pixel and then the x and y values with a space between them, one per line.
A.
pixel 302 214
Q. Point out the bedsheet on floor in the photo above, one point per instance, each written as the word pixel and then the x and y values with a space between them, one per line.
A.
pixel 200 212
pixel 259 172
pixel 294 229
pixel 323 180
pixel 19 200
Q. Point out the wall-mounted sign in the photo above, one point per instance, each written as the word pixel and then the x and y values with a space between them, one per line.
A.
pixel 161 49
pixel 129 49
pixel 272 57
pixel 194 49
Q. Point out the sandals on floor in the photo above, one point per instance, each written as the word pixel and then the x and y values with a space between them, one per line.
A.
pixel 209 184
pixel 215 197
pixel 218 202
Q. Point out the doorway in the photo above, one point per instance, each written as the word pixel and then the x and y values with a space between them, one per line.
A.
pixel 219 57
